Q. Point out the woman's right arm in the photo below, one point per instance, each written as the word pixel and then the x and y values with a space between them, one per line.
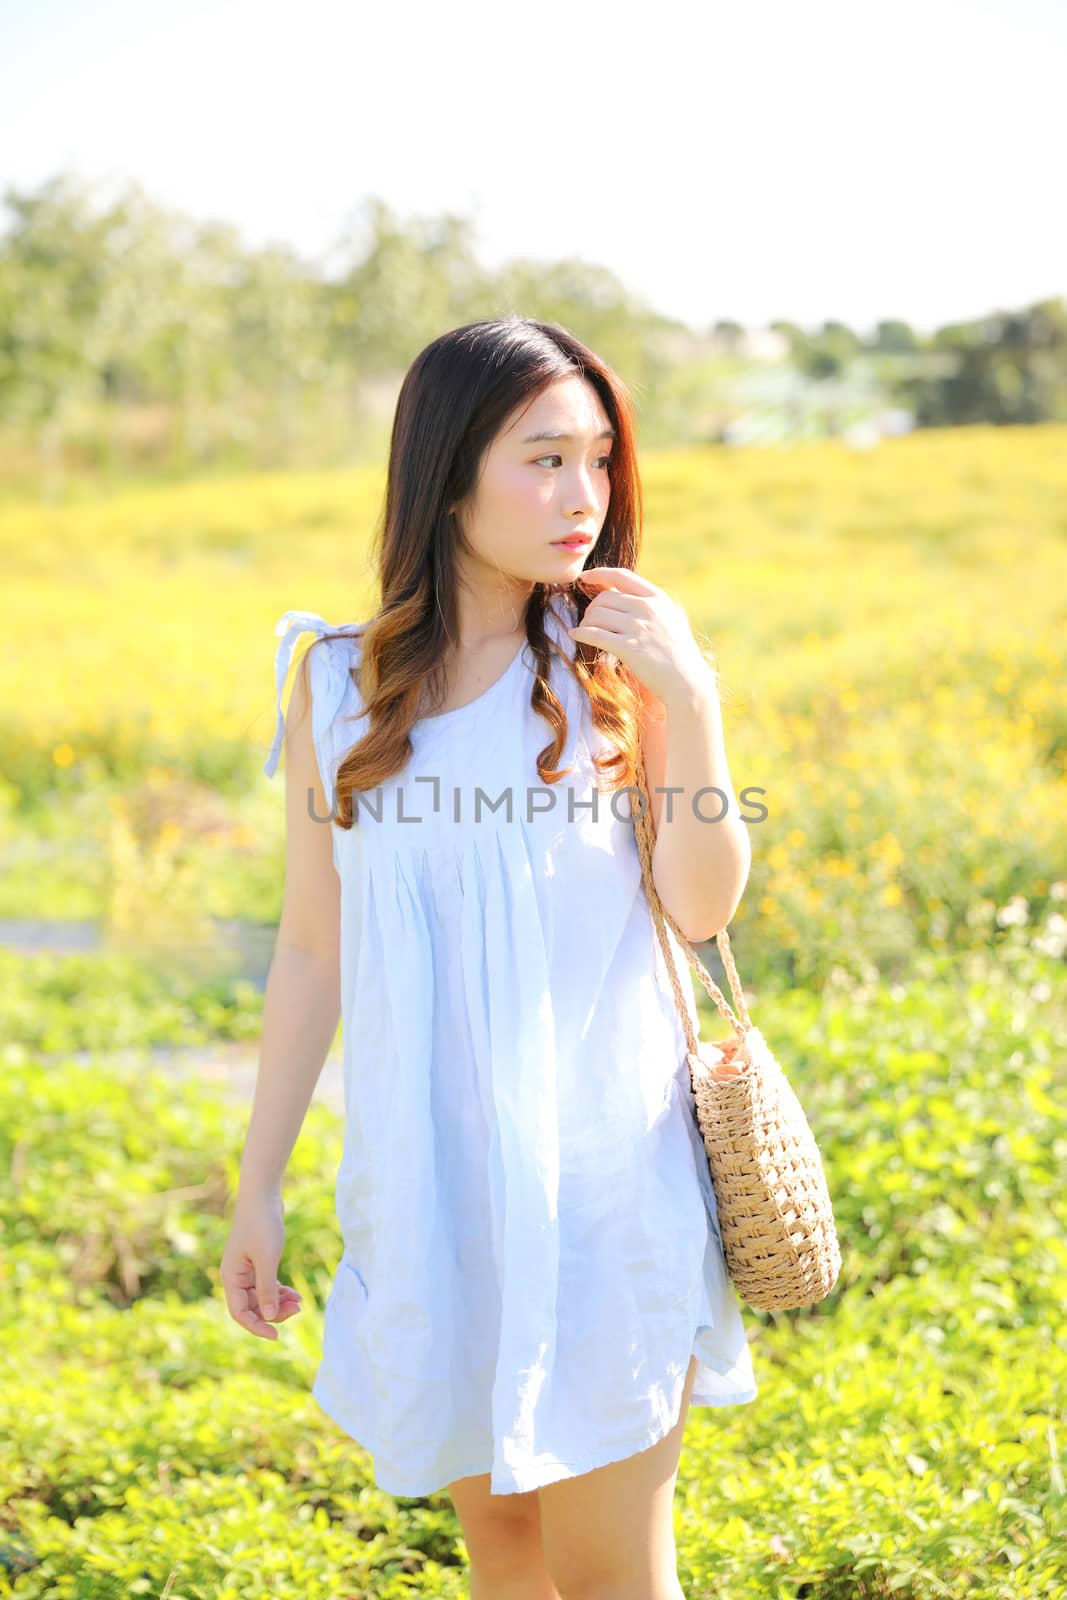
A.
pixel 301 1010
pixel 302 999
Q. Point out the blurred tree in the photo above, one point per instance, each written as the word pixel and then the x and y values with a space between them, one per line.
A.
pixel 794 333
pixel 397 287
pixel 53 280
pixel 895 338
pixel 130 333
pixel 830 352
pixel 1010 367
pixel 727 333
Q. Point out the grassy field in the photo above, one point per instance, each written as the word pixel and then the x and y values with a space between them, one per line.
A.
pixel 890 627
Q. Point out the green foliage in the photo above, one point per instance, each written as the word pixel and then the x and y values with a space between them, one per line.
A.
pixel 112 1001
pixel 138 339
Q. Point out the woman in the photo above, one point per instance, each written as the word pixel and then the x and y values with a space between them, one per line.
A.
pixel 532 1290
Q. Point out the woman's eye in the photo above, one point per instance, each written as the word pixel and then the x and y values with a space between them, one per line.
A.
pixel 537 463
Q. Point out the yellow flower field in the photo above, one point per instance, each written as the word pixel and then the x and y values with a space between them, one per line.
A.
pixel 889 625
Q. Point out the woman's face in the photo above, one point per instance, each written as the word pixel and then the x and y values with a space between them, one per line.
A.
pixel 534 492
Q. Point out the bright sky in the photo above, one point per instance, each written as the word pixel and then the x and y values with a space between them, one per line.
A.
pixel 725 158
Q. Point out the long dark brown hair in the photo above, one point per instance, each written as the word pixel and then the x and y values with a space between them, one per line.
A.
pixel 455 397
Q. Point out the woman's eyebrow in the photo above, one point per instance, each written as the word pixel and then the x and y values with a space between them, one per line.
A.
pixel 532 438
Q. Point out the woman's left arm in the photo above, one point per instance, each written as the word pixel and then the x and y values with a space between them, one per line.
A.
pixel 703 852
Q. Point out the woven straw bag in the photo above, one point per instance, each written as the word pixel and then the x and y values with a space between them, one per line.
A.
pixel 775 1216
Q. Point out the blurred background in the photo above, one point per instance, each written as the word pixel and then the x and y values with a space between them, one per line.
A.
pixel 824 248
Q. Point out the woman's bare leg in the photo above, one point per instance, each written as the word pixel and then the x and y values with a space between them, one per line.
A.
pixel 610 1532
pixel 503 1538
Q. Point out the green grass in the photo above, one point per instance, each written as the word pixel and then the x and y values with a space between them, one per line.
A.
pixel 909 1435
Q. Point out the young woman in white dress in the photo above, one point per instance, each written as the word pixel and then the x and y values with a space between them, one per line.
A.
pixel 549 1389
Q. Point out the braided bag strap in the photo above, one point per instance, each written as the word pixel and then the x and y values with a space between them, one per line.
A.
pixel 740 1023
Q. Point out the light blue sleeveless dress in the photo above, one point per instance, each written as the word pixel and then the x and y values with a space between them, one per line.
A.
pixel 531 1240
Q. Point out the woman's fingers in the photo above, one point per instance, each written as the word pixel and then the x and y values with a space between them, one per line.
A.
pixel 244 1305
pixel 285 1303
